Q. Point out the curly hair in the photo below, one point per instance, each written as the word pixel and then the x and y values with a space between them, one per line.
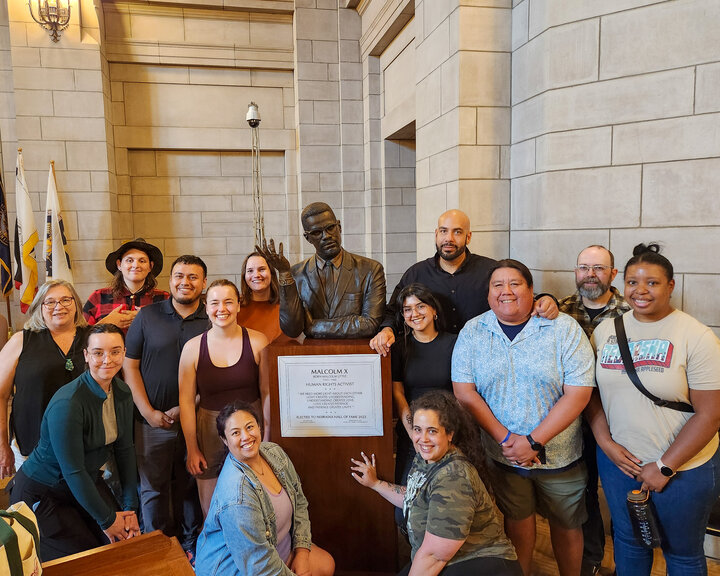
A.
pixel 457 421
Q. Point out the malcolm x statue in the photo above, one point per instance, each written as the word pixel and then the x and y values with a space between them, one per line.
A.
pixel 333 294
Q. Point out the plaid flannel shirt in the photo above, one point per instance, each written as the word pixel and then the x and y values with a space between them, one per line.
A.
pixel 573 306
pixel 101 302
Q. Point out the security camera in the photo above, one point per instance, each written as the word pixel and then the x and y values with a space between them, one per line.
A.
pixel 253 115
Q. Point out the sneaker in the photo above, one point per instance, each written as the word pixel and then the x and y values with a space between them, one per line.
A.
pixel 590 569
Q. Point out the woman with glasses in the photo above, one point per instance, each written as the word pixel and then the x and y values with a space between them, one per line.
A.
pixel 61 480
pixel 36 362
pixel 420 363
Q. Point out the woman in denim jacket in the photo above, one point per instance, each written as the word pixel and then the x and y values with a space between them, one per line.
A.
pixel 258 519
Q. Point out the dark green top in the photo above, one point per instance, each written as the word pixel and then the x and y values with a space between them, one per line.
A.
pixel 72 445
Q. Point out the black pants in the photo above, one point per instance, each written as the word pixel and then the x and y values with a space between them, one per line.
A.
pixel 478 567
pixel 65 526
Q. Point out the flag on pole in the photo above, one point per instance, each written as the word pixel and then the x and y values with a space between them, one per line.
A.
pixel 26 236
pixel 5 265
pixel 57 258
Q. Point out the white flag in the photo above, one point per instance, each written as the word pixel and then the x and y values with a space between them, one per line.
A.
pixel 57 258
pixel 26 236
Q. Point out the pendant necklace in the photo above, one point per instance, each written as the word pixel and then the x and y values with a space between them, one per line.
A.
pixel 69 364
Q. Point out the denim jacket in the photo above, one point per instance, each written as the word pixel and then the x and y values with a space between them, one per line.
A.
pixel 240 535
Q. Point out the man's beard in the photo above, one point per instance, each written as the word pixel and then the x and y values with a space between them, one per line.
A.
pixel 451 255
pixel 592 291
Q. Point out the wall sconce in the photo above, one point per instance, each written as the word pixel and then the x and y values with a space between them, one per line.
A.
pixel 53 16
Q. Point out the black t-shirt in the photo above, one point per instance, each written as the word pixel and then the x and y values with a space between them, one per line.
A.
pixel 461 296
pixel 512 330
pixel 156 338
pixel 423 366
pixel 594 312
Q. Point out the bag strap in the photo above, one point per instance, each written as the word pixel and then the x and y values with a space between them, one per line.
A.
pixel 632 374
pixel 9 540
pixel 25 522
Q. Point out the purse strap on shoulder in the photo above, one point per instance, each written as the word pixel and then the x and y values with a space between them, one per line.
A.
pixel 632 374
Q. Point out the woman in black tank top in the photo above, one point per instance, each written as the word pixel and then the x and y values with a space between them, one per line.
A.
pixel 36 362
pixel 218 367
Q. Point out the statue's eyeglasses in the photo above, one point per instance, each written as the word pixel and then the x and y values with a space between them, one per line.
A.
pixel 317 233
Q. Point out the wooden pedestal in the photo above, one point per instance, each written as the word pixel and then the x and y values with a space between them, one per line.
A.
pixel 350 521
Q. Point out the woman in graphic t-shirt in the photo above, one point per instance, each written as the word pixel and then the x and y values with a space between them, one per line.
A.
pixel 672 454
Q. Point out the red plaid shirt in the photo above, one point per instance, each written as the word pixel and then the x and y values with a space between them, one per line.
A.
pixel 101 302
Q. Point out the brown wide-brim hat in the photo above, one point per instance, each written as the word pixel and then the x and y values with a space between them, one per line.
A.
pixel 153 253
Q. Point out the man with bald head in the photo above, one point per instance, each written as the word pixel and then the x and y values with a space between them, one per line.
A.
pixel 595 300
pixel 458 278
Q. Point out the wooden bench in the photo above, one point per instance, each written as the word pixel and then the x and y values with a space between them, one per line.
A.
pixel 152 554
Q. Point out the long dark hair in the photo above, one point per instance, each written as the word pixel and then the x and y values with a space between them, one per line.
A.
pixel 650 254
pixel 457 421
pixel 118 286
pixel 422 293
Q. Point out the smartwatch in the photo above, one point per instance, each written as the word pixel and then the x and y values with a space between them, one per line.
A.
pixel 533 444
pixel 665 470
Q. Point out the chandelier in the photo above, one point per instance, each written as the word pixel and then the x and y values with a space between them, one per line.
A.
pixel 53 16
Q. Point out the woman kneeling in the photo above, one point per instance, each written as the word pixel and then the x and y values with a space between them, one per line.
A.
pixel 258 519
pixel 451 521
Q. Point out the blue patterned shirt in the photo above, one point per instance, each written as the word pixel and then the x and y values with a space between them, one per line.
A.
pixel 522 380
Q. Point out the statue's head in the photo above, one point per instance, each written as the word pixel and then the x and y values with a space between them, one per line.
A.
pixel 322 229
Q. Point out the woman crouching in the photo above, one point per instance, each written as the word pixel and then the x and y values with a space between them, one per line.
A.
pixel 451 521
pixel 258 519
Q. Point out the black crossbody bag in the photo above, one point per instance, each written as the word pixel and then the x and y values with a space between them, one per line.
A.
pixel 632 374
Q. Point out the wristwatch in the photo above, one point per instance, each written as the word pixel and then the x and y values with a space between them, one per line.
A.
pixel 533 444
pixel 665 470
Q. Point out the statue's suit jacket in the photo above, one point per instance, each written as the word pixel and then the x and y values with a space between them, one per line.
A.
pixel 355 311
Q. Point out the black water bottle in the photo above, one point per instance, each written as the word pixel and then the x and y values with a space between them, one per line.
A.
pixel 642 517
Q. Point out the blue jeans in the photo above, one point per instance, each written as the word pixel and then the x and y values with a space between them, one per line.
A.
pixel 683 509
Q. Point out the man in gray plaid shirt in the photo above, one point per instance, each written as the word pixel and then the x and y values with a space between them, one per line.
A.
pixel 595 300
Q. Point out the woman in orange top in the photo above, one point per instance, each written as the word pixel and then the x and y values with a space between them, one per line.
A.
pixel 260 299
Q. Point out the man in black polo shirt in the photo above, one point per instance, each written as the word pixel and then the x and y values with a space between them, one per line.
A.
pixel 168 494
pixel 456 277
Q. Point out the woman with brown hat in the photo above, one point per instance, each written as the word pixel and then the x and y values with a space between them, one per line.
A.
pixel 134 267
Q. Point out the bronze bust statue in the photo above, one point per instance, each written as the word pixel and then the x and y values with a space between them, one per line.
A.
pixel 333 294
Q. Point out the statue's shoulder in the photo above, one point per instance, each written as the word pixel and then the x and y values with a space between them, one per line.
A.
pixel 362 262
pixel 301 266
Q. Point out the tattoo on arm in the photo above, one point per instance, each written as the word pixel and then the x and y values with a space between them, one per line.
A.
pixel 397 488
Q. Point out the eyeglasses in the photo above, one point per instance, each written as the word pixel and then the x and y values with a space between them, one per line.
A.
pixel 64 302
pixel 410 310
pixel 318 232
pixel 597 268
pixel 99 355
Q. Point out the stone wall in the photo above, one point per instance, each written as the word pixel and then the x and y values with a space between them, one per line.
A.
pixel 614 138
pixel 55 110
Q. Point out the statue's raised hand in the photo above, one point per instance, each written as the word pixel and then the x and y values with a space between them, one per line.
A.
pixel 274 259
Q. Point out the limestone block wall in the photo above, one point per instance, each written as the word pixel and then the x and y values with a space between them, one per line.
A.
pixel 330 121
pixel 200 202
pixel 399 207
pixel 614 138
pixel 462 64
pixel 53 107
pixel 181 80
